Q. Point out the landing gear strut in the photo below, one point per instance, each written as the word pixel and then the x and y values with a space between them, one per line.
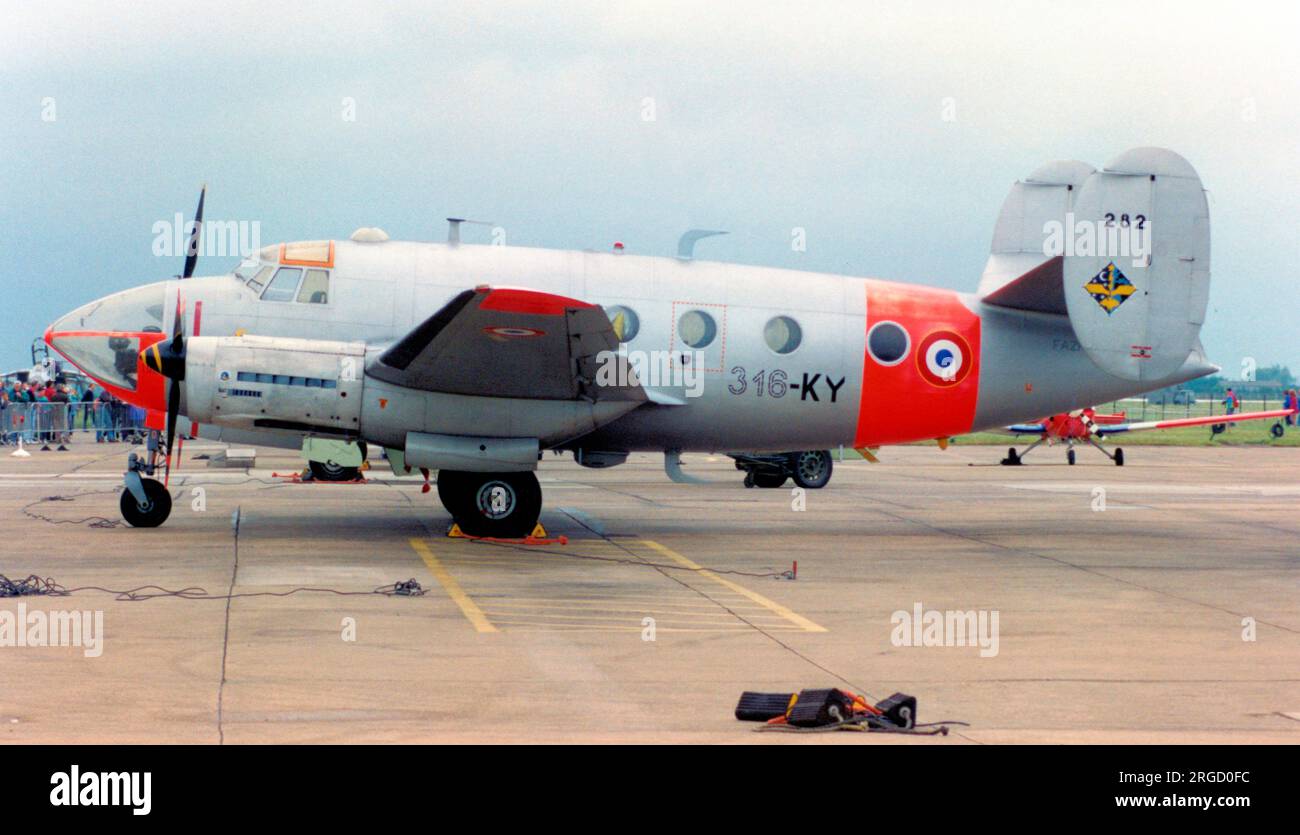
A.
pixel 145 502
pixel 810 469
pixel 504 505
pixel 1015 459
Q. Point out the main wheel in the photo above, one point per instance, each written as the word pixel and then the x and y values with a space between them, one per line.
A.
pixel 812 468
pixel 1276 430
pixel 453 492
pixel 1069 457
pixel 769 480
pixel 493 504
pixel 329 471
pixel 155 510
pixel 1012 459
pixel 1119 457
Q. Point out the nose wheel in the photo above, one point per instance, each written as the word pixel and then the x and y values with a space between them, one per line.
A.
pixel 502 505
pixel 151 512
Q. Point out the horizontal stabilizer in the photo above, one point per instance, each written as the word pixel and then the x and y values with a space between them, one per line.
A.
pixel 1040 290
pixel 1044 197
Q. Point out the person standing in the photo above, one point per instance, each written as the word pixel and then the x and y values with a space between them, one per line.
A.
pixel 87 401
pixel 104 418
pixel 1230 403
pixel 59 401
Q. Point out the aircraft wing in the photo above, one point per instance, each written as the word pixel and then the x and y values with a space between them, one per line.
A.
pixel 1025 429
pixel 1115 429
pixel 511 342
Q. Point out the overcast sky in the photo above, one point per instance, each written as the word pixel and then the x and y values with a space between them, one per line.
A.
pixel 825 116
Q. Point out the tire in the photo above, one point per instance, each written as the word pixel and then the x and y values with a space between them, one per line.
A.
pixel 1012 459
pixel 1276 430
pixel 769 480
pixel 1069 457
pixel 154 512
pixel 453 492
pixel 503 505
pixel 329 471
pixel 811 469
pixel 1119 457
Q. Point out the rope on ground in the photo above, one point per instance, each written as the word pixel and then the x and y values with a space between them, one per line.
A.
pixel 33 585
pixel 91 521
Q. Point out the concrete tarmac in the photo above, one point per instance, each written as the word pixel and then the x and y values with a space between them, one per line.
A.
pixel 1153 603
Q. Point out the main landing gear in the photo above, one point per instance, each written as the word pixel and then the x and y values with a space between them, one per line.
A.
pixel 810 469
pixel 1015 459
pixel 502 505
pixel 145 502
pixel 333 471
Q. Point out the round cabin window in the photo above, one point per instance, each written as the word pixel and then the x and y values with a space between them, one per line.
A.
pixel 782 334
pixel 697 328
pixel 888 343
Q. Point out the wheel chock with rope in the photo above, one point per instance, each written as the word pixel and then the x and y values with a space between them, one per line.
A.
pixel 305 477
pixel 832 709
pixel 539 536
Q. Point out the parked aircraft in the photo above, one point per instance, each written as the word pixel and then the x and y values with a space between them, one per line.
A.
pixel 1086 426
pixel 474 360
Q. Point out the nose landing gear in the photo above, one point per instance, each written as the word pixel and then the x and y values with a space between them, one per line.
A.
pixel 145 502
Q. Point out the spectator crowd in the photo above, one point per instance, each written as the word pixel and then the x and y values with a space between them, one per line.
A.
pixel 48 412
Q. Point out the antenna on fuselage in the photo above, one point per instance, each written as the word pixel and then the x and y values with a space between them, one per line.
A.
pixel 686 243
pixel 453 228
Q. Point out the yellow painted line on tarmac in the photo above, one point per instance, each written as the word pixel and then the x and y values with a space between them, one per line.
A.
pixel 771 605
pixel 467 605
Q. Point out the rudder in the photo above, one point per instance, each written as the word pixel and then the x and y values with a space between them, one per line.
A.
pixel 1136 293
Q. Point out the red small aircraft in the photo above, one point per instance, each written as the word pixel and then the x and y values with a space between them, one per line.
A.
pixel 1087 426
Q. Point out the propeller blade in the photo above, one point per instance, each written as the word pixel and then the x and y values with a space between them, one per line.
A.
pixel 173 410
pixel 192 249
pixel 178 325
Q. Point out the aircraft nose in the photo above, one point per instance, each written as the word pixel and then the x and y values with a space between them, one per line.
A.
pixel 104 338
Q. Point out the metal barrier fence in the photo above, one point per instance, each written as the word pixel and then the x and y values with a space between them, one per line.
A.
pixel 1146 408
pixel 46 423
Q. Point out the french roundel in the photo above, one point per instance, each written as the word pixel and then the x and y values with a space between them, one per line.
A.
pixel 943 358
pixel 513 333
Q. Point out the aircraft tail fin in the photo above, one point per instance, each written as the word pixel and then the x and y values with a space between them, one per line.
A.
pixel 1044 197
pixel 1125 253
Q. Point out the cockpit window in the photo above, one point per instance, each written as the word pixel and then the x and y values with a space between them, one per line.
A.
pixel 110 358
pixel 257 282
pixel 315 287
pixel 284 286
pixel 247 269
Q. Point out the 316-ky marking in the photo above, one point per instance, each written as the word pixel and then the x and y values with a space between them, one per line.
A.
pixel 776 383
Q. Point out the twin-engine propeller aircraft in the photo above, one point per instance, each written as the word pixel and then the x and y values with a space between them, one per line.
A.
pixel 474 360
pixel 1086 426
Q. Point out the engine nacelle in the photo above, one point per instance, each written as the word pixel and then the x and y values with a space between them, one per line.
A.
pixel 261 382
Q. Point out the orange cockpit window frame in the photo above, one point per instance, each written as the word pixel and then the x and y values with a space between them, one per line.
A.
pixel 328 263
